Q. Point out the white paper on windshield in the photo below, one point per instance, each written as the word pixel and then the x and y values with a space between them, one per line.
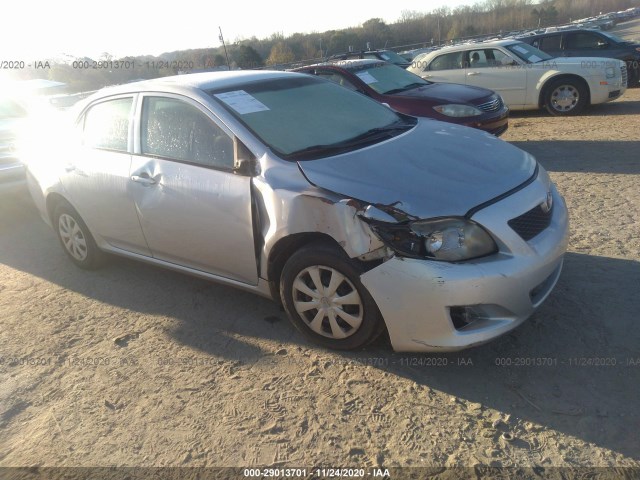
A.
pixel 384 56
pixel 518 48
pixel 366 77
pixel 242 102
pixel 534 58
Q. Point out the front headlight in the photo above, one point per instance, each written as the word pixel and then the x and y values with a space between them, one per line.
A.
pixel 448 239
pixel 610 71
pixel 455 110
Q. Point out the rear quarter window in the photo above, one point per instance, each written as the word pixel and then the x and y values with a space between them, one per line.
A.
pixel 449 61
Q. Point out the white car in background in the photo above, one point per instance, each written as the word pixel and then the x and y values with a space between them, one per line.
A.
pixel 525 77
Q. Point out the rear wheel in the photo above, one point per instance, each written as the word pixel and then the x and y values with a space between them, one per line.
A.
pixel 565 97
pixel 75 238
pixel 321 291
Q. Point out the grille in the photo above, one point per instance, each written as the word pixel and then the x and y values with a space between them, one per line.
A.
pixel 531 223
pixel 623 72
pixel 492 105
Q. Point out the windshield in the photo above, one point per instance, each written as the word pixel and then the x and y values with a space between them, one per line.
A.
pixel 388 79
pixel 307 117
pixel 528 53
pixel 393 57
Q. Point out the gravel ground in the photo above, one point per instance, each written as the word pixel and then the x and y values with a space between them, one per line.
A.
pixel 137 366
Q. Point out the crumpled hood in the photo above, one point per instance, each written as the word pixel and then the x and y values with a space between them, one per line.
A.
pixel 435 169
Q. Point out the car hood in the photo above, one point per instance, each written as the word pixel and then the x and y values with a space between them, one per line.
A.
pixel 435 169
pixel 448 93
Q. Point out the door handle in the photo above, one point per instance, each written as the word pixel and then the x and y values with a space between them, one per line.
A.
pixel 470 74
pixel 144 179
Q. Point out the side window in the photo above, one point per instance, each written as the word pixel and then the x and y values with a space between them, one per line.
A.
pixel 478 59
pixel 106 125
pixel 497 58
pixel 551 43
pixel 449 61
pixel 583 40
pixel 174 129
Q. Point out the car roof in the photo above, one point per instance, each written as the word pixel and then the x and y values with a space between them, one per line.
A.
pixel 202 81
pixel 558 32
pixel 474 45
pixel 360 52
pixel 347 64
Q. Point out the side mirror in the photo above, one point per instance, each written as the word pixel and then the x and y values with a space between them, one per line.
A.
pixel 244 160
pixel 602 44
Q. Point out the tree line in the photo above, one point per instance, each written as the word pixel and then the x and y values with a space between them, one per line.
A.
pixel 412 29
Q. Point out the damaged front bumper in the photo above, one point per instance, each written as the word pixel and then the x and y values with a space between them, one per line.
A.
pixel 439 306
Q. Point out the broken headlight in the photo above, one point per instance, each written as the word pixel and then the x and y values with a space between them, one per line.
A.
pixel 448 239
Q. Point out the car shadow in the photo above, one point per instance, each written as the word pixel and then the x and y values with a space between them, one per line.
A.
pixel 211 316
pixel 574 367
pixel 619 107
pixel 616 157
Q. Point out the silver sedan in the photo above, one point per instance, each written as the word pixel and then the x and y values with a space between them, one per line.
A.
pixel 357 218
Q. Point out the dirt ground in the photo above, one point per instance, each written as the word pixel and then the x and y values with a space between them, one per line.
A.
pixel 137 366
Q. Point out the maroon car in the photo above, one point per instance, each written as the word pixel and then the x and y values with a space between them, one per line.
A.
pixel 407 93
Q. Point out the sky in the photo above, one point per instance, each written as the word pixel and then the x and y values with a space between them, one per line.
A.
pixel 36 30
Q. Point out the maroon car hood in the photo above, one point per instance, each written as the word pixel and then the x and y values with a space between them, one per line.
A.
pixel 443 93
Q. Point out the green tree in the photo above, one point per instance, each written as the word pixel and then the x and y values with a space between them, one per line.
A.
pixel 247 57
pixel 376 32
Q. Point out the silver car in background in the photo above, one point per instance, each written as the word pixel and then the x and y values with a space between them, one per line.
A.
pixel 357 218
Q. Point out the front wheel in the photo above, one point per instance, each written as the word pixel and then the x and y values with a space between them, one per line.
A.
pixel 76 239
pixel 565 97
pixel 321 291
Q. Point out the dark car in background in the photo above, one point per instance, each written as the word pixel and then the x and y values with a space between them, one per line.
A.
pixel 407 93
pixel 12 171
pixel 384 55
pixel 590 43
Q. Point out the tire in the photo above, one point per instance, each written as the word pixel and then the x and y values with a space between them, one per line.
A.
pixel 565 97
pixel 75 238
pixel 633 76
pixel 321 315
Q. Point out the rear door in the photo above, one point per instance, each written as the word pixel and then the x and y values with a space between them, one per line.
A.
pixel 97 173
pixel 551 44
pixel 448 68
pixel 194 210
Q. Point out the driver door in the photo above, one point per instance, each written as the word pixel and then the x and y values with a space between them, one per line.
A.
pixel 195 210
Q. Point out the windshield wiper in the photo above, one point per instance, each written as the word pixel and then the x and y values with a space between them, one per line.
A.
pixel 411 86
pixel 368 136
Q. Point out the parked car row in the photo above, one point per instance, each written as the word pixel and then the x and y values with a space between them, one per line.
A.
pixel 409 94
pixel 590 43
pixel 358 218
pixel 526 77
